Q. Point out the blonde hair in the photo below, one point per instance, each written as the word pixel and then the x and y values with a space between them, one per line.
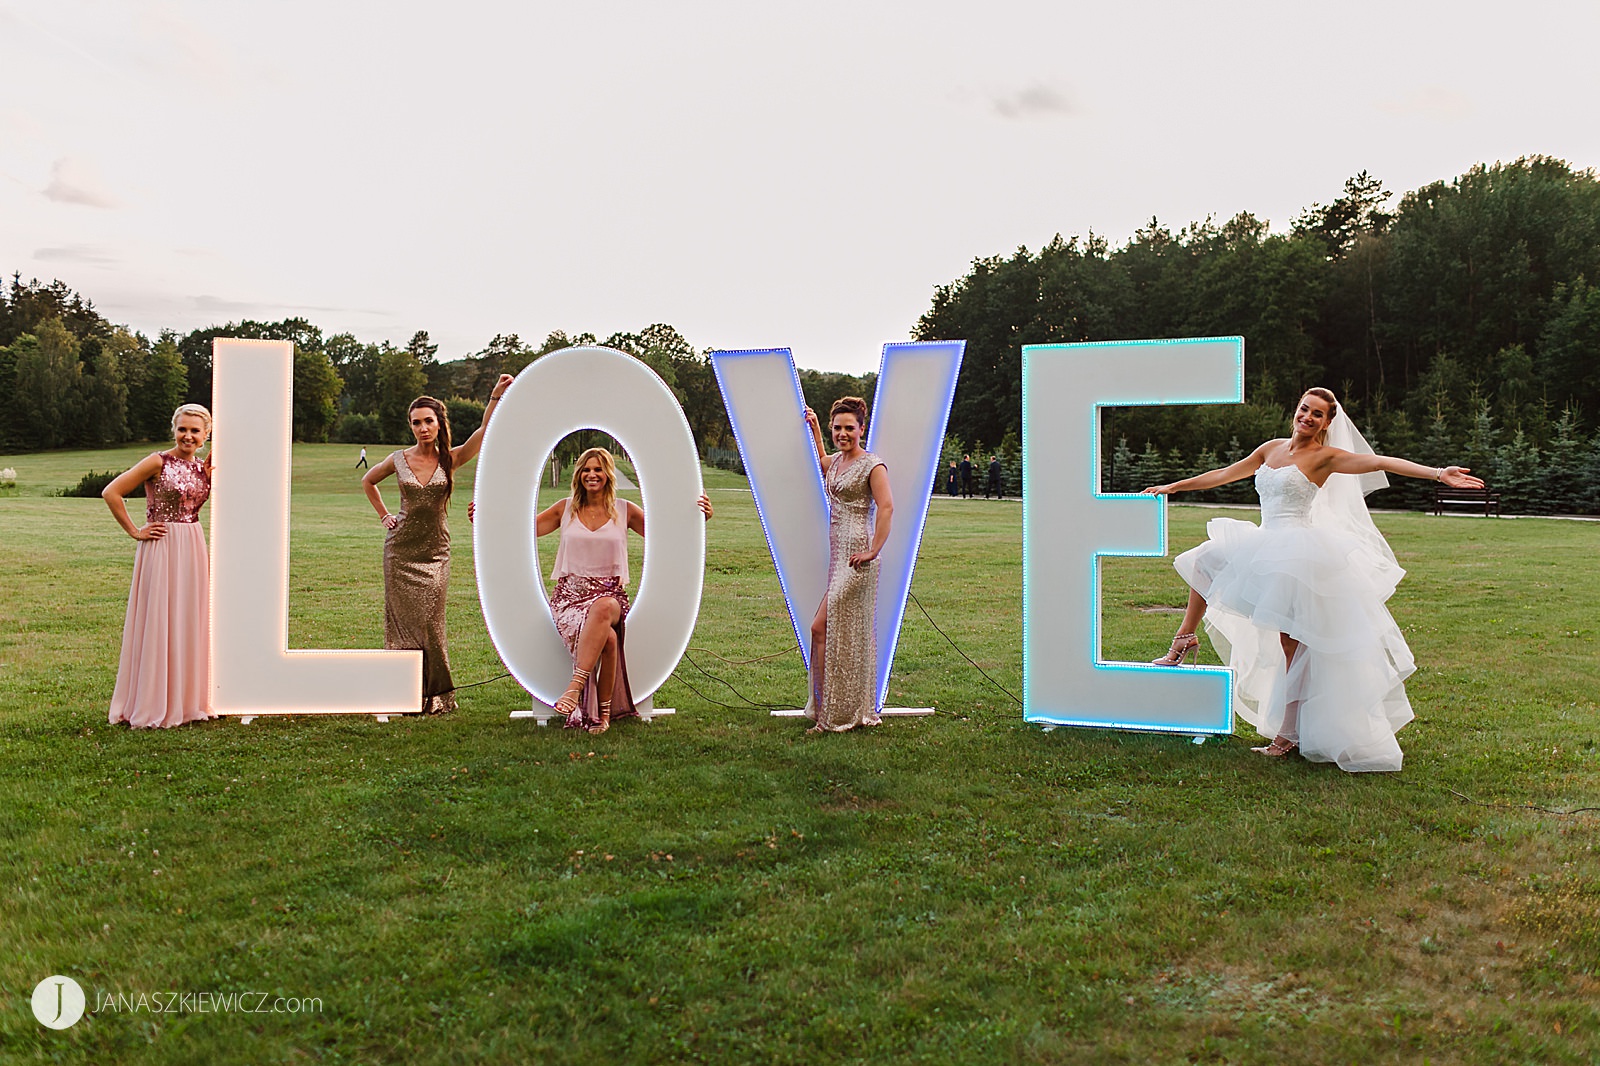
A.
pixel 192 409
pixel 1333 409
pixel 608 494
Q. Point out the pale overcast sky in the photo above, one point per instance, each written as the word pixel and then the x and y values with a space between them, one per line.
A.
pixel 754 175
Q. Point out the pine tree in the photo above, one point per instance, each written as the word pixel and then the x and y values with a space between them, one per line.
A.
pixel 1561 480
pixel 1122 468
pixel 1516 476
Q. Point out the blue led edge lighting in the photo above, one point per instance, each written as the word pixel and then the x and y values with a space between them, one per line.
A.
pixel 1027 524
pixel 886 662
pixel 755 493
pixel 1096 598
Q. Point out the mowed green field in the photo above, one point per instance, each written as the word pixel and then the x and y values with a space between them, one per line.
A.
pixel 717 887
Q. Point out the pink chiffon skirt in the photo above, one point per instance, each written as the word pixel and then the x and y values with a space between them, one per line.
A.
pixel 164 676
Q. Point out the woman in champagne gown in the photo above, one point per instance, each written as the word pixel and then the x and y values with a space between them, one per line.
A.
pixel 1296 606
pixel 164 673
pixel 842 692
pixel 416 547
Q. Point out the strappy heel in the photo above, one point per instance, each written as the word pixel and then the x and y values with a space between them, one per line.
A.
pixel 568 702
pixel 1184 646
pixel 605 719
pixel 1279 747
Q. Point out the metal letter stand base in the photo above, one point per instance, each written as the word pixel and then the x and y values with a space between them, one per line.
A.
pixel 542 712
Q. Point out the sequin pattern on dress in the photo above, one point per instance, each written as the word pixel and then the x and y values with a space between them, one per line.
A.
pixel 416 578
pixel 850 649
pixel 164 671
pixel 177 491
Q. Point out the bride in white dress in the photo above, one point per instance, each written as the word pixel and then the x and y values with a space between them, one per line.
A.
pixel 1296 605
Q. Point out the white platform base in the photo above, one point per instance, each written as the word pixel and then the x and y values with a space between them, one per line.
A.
pixel 246 719
pixel 887 712
pixel 542 712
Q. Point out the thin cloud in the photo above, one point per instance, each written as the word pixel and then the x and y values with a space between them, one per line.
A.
pixel 87 254
pixel 1034 101
pixel 218 305
pixel 74 181
pixel 187 48
pixel 1432 101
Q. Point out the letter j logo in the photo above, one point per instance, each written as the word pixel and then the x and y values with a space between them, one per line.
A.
pixel 58 1002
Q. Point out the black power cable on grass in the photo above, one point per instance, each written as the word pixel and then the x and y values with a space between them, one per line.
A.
pixel 1523 806
pixel 475 684
pixel 726 685
pixel 957 647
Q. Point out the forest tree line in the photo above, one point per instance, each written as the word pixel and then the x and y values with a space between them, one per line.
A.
pixel 78 380
pixel 1459 325
pixel 1462 325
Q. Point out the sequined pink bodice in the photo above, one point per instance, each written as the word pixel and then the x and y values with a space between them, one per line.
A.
pixel 177 493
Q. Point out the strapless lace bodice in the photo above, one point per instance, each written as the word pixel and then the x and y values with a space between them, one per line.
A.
pixel 1286 496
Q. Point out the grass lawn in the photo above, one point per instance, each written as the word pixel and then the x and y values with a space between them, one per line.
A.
pixel 716 887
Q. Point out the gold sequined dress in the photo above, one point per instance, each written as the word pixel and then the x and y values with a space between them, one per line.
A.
pixel 416 577
pixel 850 650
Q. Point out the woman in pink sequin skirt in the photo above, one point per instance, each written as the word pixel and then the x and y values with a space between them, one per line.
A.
pixel 164 675
pixel 590 601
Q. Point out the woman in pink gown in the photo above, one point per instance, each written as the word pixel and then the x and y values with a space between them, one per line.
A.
pixel 590 601
pixel 164 675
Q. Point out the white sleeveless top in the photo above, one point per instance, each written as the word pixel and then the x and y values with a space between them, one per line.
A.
pixel 600 552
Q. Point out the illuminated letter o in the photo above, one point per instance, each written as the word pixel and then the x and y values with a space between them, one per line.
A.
pixel 561 393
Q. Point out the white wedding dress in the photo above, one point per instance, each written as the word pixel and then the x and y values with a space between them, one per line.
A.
pixel 1304 573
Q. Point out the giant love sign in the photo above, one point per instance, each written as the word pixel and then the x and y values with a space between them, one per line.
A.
pixel 1068 524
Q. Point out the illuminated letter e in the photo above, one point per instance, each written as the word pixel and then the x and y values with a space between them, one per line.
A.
pixel 1068 523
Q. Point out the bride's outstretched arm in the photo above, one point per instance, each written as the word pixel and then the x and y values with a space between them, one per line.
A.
pixel 1212 478
pixel 1457 477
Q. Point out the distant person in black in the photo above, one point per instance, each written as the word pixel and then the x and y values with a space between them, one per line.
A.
pixel 950 479
pixel 994 478
pixel 966 475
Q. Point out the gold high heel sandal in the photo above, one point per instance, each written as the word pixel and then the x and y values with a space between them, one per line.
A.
pixel 569 699
pixel 1184 646
pixel 605 719
pixel 1277 749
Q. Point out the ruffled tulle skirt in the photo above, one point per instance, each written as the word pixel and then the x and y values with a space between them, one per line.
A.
pixel 1343 697
pixel 164 675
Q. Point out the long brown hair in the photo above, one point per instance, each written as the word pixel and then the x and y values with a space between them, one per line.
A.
pixel 608 495
pixel 1333 409
pixel 441 443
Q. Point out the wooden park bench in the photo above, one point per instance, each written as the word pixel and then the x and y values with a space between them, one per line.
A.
pixel 1445 496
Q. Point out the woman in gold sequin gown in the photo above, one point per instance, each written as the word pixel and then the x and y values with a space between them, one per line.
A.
pixel 843 685
pixel 416 549
pixel 164 672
